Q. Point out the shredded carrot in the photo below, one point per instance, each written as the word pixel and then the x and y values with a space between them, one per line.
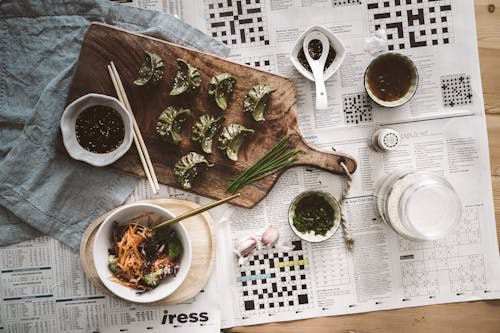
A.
pixel 131 263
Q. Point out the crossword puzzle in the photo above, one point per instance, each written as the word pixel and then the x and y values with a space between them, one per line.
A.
pixel 419 281
pixel 467 273
pixel 456 90
pixel 468 230
pixel 412 23
pixel 236 22
pixel 264 62
pixel 274 281
pixel 345 2
pixel 422 262
pixel 357 109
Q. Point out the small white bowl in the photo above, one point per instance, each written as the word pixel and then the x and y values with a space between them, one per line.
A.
pixel 311 236
pixel 68 125
pixel 102 242
pixel 335 43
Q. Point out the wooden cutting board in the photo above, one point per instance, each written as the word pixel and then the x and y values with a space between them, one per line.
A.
pixel 104 43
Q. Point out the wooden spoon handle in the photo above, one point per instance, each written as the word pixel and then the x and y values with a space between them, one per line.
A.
pixel 326 160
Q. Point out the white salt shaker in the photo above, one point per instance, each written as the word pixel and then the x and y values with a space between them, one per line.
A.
pixel 385 140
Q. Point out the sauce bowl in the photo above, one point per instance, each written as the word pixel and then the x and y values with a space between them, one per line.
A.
pixel 335 43
pixel 413 84
pixel 68 129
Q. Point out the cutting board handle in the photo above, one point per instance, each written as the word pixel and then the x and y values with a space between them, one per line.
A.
pixel 327 160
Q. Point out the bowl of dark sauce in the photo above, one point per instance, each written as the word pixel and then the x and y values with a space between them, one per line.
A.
pixel 96 129
pixel 335 57
pixel 391 79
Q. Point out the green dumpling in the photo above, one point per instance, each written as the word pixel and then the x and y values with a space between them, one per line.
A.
pixel 188 167
pixel 169 124
pixel 231 139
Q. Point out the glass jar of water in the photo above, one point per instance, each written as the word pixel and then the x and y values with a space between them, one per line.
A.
pixel 418 205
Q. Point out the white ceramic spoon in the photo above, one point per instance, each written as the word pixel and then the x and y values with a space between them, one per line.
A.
pixel 318 66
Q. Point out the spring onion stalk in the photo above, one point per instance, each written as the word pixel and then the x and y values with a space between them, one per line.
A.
pixel 274 160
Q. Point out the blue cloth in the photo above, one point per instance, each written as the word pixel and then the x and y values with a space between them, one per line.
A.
pixel 43 191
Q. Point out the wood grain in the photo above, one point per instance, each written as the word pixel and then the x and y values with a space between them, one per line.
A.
pixel 103 44
pixel 480 316
pixel 203 241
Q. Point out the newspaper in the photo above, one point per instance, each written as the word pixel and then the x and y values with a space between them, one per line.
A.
pixel 44 290
pixel 443 130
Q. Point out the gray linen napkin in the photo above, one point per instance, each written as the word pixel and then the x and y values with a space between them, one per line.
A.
pixel 43 191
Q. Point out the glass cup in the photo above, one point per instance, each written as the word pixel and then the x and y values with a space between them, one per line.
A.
pixel 418 205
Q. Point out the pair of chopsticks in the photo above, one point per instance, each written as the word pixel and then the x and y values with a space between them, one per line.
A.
pixel 138 140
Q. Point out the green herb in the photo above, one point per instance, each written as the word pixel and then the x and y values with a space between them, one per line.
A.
pixel 313 213
pixel 221 87
pixel 174 248
pixel 187 79
pixel 204 130
pixel 113 263
pixel 169 125
pixel 274 160
pixel 188 167
pixel 231 139
pixel 256 100
pixel 151 71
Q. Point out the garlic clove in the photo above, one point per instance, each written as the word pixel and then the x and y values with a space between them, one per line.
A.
pixel 245 246
pixel 271 236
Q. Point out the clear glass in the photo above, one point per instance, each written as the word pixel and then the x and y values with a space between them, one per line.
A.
pixel 418 205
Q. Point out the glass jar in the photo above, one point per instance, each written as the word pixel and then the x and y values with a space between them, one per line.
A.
pixel 418 205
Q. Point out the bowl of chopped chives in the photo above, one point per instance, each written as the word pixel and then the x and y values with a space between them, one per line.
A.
pixel 314 216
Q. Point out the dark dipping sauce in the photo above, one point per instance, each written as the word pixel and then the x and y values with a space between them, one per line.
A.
pixel 315 49
pixel 313 213
pixel 389 77
pixel 99 129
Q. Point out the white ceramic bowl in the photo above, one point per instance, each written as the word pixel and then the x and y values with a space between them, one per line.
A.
pixel 68 124
pixel 336 44
pixel 102 243
pixel 311 236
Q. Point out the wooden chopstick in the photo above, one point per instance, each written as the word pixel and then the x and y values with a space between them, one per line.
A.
pixel 138 140
pixel 195 211
pixel 138 132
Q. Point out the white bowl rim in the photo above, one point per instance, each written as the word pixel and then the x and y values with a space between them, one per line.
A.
pixel 310 237
pixel 335 42
pixel 179 278
pixel 67 125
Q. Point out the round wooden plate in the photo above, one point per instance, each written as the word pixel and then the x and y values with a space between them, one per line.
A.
pixel 201 232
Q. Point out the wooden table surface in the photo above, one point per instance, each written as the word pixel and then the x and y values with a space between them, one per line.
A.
pixel 468 317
